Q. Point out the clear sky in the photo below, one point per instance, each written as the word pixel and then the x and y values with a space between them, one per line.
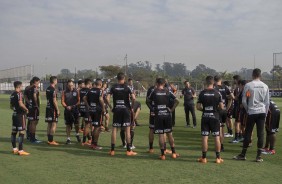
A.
pixel 222 34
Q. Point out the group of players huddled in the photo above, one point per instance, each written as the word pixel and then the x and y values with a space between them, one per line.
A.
pixel 248 103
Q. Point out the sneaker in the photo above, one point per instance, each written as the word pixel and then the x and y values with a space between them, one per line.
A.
pixel 23 153
pixel 112 153
pixel 219 160
pixel 85 144
pixel 188 126
pixel 162 157
pixel 89 141
pixel 227 135
pixel 234 141
pixel 241 139
pixel 151 151
pixel 203 160
pixel 194 126
pixel 240 157
pixel 35 142
pixel 264 149
pixel 68 141
pixel 95 147
pixel 175 155
pixel 131 153
pixel 78 138
pixel 268 152
pixel 168 152
pixel 124 147
pixel 53 143
pixel 259 159
pixel 15 151
pixel 132 147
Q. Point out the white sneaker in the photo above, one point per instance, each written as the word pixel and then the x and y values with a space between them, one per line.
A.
pixel 133 147
pixel 228 135
pixel 124 147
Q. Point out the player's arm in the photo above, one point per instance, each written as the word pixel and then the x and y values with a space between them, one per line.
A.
pixel 176 102
pixel 199 107
pixel 85 100
pixel 108 101
pixel 35 99
pixel 102 103
pixel 78 99
pixel 55 103
pixel 267 101
pixel 133 98
pixel 63 100
pixel 194 95
pixel 244 98
pixel 221 105
pixel 22 106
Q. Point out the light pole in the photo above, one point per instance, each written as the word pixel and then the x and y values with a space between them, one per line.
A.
pixel 274 64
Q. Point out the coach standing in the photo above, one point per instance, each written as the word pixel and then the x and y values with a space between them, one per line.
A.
pixel 189 105
pixel 256 102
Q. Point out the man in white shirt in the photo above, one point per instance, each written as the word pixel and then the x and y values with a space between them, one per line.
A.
pixel 256 102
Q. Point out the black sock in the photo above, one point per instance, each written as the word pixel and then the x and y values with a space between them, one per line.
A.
pixel 204 154
pixel 230 132
pixel 21 139
pixel 128 147
pixel 165 146
pixel 236 136
pixel 32 136
pixel 95 143
pixel 222 147
pixel 14 140
pixel 259 152
pixel 122 136
pixel 113 147
pixel 151 145
pixel 88 137
pixel 173 149
pixel 244 151
pixel 240 135
pixel 162 152
pixel 217 154
pixel 84 139
pixel 132 136
pixel 51 138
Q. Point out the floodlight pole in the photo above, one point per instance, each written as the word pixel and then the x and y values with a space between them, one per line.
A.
pixel 274 64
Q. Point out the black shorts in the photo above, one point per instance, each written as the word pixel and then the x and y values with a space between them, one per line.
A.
pixel 152 120
pixel 222 117
pixel 210 125
pixel 82 114
pixel 236 113
pixel 243 117
pixel 163 124
pixel 272 122
pixel 121 117
pixel 71 117
pixel 19 122
pixel 51 115
pixel 33 114
pixel 95 118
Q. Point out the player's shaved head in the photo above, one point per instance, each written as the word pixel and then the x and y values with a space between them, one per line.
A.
pixel 87 82
pixel 256 73
pixel 209 80
pixel 120 76
pixel 98 82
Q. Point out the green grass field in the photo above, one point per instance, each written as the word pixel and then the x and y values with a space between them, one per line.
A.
pixel 77 164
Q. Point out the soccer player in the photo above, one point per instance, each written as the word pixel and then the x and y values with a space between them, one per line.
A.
pixel 32 104
pixel 82 111
pixel 52 110
pixel 189 106
pixel 226 96
pixel 96 107
pixel 236 111
pixel 26 103
pixel 256 102
pixel 19 124
pixel 229 123
pixel 70 101
pixel 81 85
pixel 150 105
pixel 209 102
pixel 172 89
pixel 271 126
pixel 163 123
pixel 106 115
pixel 121 94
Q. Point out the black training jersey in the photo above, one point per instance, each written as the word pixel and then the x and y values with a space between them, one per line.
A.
pixel 210 99
pixel 50 95
pixel 93 98
pixel 121 95
pixel 71 97
pixel 14 102
pixel 29 92
pixel 224 91
pixel 188 95
pixel 161 99
pixel 83 92
pixel 236 94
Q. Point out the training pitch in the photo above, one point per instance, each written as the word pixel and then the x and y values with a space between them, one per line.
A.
pixel 77 164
